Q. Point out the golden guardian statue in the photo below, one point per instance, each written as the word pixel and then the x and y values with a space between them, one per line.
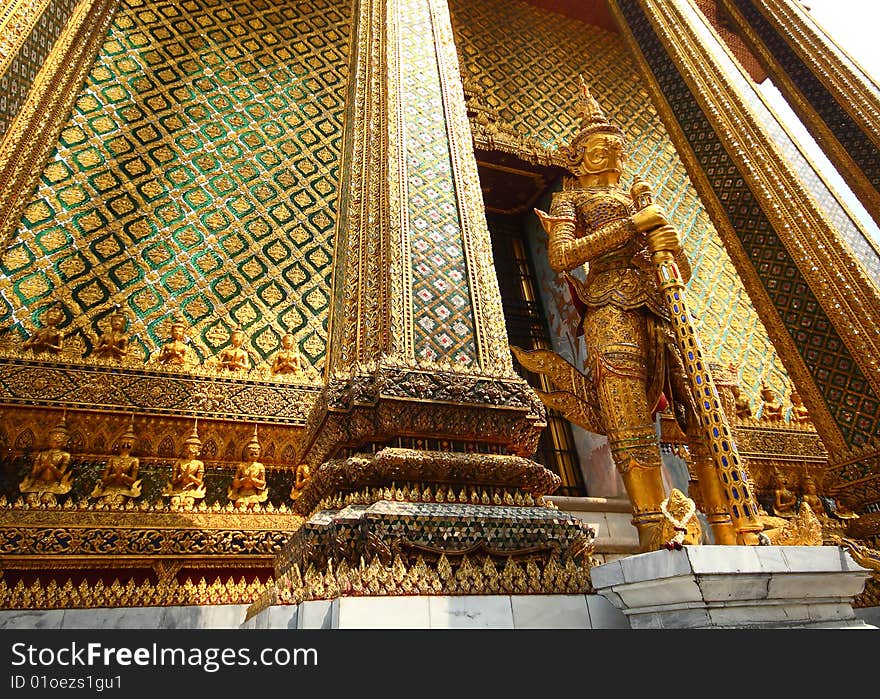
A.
pixel 642 349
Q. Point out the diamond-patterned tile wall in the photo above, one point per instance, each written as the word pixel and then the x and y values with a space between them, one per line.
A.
pixel 16 81
pixel 848 395
pixel 857 240
pixel 527 61
pixel 198 171
pixel 442 315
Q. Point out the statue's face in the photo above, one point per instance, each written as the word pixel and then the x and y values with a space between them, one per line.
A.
pixel 603 153
pixel 253 451
pixel 117 323
pixel 287 342
pixel 56 440
pixel 126 445
pixel 237 338
pixel 52 317
pixel 176 332
pixel 192 450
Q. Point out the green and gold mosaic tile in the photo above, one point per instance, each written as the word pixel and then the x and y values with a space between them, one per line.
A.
pixel 199 172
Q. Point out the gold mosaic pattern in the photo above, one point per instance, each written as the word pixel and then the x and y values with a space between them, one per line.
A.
pixel 527 61
pixel 442 317
pixel 22 57
pixel 199 172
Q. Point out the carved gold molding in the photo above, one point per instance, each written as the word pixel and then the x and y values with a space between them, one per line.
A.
pixel 17 20
pixel 832 274
pixel 849 89
pixel 34 132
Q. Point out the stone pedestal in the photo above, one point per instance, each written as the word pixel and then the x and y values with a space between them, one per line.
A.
pixel 735 587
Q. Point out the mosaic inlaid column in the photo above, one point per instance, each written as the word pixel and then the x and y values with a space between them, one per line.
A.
pixel 834 99
pixel 46 50
pixel 418 346
pixel 819 308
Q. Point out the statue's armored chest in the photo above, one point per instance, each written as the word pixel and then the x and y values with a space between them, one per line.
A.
pixel 596 209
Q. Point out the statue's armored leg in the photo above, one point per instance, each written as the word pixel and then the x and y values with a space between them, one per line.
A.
pixel 635 453
pixel 619 339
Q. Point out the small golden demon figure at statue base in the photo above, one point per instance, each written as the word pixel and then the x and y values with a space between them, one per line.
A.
pixel 50 473
pixel 187 482
pixel 249 482
pixel 119 482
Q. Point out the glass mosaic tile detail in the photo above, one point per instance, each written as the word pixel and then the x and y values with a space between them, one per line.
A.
pixel 443 324
pixel 198 172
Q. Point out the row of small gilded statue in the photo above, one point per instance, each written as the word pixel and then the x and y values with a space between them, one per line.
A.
pixel 51 475
pixel 772 409
pixel 113 345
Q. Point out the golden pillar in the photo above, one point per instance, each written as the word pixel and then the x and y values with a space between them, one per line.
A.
pixel 834 99
pixel 819 307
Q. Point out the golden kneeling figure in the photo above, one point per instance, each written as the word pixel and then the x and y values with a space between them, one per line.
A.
pixel 187 482
pixel 50 473
pixel 249 482
pixel 303 474
pixel 120 481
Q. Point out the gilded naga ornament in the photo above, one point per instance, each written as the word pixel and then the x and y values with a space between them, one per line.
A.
pixel 642 348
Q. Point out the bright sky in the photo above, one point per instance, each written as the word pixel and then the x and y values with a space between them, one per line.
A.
pixel 853 24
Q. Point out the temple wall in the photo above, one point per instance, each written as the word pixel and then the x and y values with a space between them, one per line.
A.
pixel 198 171
pixel 528 67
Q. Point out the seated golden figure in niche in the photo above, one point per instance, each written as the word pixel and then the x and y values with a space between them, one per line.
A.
pixel 799 411
pixel 113 344
pixel 234 358
pixel 771 408
pixel 741 403
pixel 249 482
pixel 176 352
pixel 187 482
pixel 303 474
pixel 119 480
pixel 48 338
pixel 287 360
pixel 784 499
pixel 50 473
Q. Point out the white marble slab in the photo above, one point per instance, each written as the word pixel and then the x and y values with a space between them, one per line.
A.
pixel 604 615
pixel 381 613
pixel 471 612
pixel 31 619
pixel 314 614
pixel 550 611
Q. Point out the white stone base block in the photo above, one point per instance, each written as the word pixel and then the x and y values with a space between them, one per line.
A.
pixel 735 587
pixel 446 612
